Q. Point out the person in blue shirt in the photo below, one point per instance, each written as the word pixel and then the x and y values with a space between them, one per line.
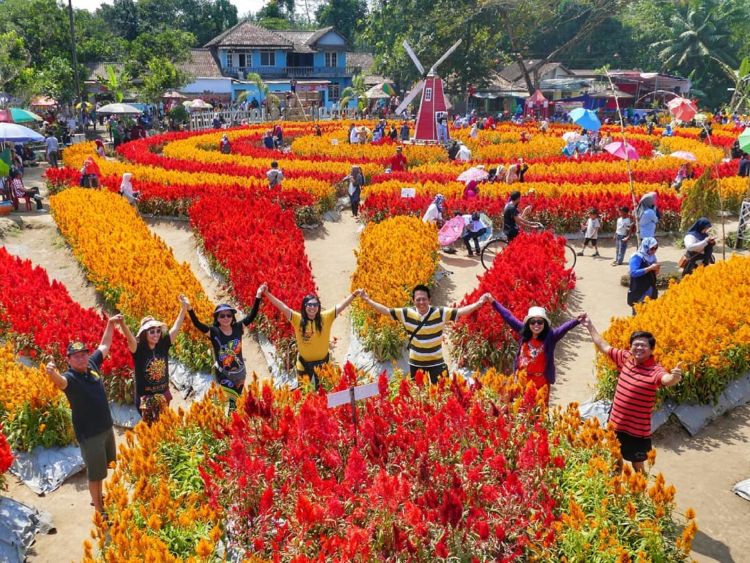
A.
pixel 643 270
pixel 648 215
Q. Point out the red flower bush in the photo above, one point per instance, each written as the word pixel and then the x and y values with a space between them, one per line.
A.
pixel 42 318
pixel 433 472
pixel 256 241
pixel 531 271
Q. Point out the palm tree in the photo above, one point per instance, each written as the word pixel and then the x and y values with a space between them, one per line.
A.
pixel 263 92
pixel 700 32
pixel 355 91
pixel 115 83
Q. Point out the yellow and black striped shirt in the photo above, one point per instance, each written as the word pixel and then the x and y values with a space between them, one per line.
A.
pixel 426 349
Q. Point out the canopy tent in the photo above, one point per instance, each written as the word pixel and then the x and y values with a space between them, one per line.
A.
pixel 380 91
pixel 173 95
pixel 537 102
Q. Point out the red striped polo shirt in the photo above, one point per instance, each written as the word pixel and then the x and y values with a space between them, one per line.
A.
pixel 635 394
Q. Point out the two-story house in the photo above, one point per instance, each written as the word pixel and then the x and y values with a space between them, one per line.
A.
pixel 317 60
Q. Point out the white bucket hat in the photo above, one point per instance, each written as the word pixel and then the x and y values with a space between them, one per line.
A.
pixel 536 312
pixel 150 322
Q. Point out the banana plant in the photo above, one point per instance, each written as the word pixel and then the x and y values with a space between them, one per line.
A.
pixel 265 95
pixel 356 91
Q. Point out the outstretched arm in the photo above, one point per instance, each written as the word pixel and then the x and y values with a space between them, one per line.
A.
pixel 106 342
pixel 279 304
pixel 602 344
pixel 382 309
pixel 469 309
pixel 132 342
pixel 673 377
pixel 250 317
pixel 345 303
pixel 509 318
pixel 175 330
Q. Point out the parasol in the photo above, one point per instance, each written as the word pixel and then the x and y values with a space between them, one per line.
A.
pixel 122 109
pixel 197 104
pixel 625 151
pixel 24 115
pixel 571 137
pixel 744 140
pixel 473 174
pixel 451 231
pixel 6 116
pixel 378 92
pixel 173 94
pixel 84 105
pixel 586 119
pixel 14 133
pixel 683 155
pixel 682 108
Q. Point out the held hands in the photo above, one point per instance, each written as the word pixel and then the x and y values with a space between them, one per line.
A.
pixel 582 318
pixel 262 289
pixel 116 319
pixel 185 302
pixel 487 298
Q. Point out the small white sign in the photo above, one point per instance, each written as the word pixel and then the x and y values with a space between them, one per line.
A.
pixel 408 192
pixel 344 397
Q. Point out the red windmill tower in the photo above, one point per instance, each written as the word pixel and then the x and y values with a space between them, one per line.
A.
pixel 433 106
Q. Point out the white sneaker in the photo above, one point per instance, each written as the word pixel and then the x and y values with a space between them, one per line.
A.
pixel 42 210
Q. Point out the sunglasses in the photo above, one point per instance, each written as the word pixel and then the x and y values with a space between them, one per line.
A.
pixel 154 331
pixel 312 304
pixel 536 321
pixel 225 315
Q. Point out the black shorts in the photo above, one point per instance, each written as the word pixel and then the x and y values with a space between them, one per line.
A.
pixel 632 448
pixel 433 371
pixel 591 241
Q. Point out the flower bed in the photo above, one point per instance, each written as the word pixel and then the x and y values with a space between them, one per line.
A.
pixel 33 412
pixel 531 271
pixel 40 318
pixel 713 354
pixel 134 270
pixel 6 457
pixel 445 472
pixel 255 241
pixel 393 257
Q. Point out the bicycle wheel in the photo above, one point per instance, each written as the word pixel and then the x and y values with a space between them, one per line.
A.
pixel 570 257
pixel 492 250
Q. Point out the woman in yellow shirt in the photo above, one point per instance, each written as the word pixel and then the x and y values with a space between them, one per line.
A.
pixel 312 330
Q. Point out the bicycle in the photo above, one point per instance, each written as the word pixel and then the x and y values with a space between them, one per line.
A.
pixel 496 245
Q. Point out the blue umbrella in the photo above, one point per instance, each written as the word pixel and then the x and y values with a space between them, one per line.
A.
pixel 14 133
pixel 586 119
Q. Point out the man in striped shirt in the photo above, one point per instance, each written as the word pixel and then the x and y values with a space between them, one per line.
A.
pixel 635 395
pixel 424 325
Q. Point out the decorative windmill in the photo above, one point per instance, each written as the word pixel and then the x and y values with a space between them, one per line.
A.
pixel 433 105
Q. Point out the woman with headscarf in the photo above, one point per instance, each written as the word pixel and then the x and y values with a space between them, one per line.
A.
pixel 648 215
pixel 699 246
pixel 356 181
pixel 150 349
pixel 100 148
pixel 225 335
pixel 434 213
pixel 126 189
pixel 471 191
pixel 643 271
pixel 90 173
pixel 536 343
pixel 312 330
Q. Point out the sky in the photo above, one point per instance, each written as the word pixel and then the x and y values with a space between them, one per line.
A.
pixel 243 6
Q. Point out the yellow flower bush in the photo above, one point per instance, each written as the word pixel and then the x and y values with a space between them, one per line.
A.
pixel 393 257
pixel 134 270
pixel 702 321
pixel 155 499
pixel 32 410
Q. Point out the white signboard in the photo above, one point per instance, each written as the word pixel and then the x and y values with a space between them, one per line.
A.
pixel 408 192
pixel 344 397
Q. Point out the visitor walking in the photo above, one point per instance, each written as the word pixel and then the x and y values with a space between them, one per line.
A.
pixel 591 232
pixel 743 169
pixel 356 180
pixel 225 335
pixel 404 133
pixel 83 386
pixel 699 246
pixel 624 228
pixel 52 148
pixel 312 330
pixel 648 215
pixel 638 381
pixel 643 271
pixel 424 324
pixel 150 349
pixel 512 218
pixel 536 343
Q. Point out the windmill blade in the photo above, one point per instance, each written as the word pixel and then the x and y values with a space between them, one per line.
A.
pixel 414 58
pixel 445 56
pixel 409 98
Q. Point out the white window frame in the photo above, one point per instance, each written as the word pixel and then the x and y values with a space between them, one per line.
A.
pixel 270 55
pixel 240 57
pixel 428 94
pixel 334 92
pixel 331 59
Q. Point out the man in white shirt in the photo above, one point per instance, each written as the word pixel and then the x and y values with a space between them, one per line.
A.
pixel 274 175
pixel 52 149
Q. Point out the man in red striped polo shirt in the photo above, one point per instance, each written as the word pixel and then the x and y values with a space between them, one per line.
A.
pixel 639 380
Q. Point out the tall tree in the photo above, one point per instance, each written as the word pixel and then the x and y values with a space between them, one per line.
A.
pixel 13 56
pixel 121 17
pixel 172 44
pixel 346 16
pixel 161 75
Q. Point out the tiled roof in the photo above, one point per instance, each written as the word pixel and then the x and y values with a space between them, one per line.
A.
pixel 202 64
pixel 247 34
pixel 99 70
pixel 513 72
pixel 364 61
